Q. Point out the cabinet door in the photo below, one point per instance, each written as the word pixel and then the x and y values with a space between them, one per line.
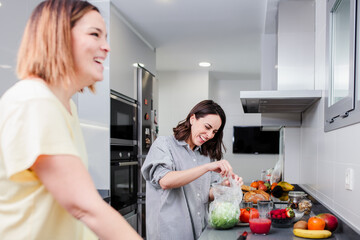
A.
pixel 127 50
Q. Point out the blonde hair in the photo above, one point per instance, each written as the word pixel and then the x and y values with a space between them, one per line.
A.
pixel 46 47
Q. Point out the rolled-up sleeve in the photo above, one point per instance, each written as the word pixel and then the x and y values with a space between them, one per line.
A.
pixel 158 162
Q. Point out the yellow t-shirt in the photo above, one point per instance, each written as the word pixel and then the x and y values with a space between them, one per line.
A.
pixel 34 122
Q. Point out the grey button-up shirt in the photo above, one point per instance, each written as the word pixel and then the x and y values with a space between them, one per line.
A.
pixel 178 213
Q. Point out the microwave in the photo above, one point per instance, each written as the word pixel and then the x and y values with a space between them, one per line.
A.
pixel 123 111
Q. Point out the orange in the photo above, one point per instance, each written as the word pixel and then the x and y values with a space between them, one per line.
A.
pixel 254 184
pixel 316 223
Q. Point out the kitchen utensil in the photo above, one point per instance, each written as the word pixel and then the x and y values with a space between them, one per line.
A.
pixel 243 236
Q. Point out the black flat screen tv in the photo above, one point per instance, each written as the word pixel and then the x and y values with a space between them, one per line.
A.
pixel 253 140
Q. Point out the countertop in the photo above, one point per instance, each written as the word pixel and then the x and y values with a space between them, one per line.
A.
pixel 343 231
pixel 235 232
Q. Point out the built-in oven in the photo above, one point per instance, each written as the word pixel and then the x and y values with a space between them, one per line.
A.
pixel 124 169
pixel 124 178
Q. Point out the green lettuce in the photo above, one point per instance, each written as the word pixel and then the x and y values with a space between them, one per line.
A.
pixel 223 215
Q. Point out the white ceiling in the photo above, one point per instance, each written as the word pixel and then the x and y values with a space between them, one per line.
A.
pixel 226 33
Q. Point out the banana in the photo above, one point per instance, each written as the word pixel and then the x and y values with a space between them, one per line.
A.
pixel 284 196
pixel 286 186
pixel 311 233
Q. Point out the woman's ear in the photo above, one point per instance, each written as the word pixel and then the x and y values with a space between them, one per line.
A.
pixel 192 119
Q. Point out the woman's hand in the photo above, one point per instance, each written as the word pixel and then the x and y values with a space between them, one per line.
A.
pixel 238 181
pixel 223 167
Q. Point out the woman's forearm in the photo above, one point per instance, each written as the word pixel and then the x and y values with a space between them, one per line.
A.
pixel 67 179
pixel 175 179
pixel 108 223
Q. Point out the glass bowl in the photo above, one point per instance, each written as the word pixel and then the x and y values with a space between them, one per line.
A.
pixel 281 223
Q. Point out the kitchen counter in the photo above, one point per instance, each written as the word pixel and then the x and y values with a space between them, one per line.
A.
pixel 343 231
pixel 235 232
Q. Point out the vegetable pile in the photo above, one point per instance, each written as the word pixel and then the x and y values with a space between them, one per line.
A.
pixel 224 215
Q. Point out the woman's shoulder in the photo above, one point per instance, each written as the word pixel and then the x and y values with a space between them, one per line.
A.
pixel 162 140
pixel 25 90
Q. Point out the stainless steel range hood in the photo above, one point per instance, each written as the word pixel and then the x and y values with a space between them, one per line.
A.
pixel 280 101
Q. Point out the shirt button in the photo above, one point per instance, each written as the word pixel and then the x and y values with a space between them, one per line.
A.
pixel 198 213
pixel 194 160
pixel 198 194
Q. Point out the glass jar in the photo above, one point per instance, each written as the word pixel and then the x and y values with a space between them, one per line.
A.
pixel 305 206
pixel 295 197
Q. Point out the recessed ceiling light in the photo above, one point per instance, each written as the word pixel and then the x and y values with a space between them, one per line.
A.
pixel 0 4
pixel 204 64
pixel 4 66
pixel 138 64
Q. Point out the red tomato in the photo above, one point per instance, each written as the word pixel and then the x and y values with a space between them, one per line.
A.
pixel 245 214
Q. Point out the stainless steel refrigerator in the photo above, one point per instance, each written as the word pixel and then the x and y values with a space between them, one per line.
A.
pixel 148 130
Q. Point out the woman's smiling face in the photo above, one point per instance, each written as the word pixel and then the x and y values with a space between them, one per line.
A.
pixel 90 48
pixel 203 129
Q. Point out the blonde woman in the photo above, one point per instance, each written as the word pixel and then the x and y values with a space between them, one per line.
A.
pixel 45 188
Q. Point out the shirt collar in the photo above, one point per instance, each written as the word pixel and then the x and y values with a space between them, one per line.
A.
pixel 185 144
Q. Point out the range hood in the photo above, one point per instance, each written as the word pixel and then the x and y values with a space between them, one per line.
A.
pixel 279 101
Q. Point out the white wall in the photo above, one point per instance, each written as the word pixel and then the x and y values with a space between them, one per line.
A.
pixel 12 31
pixel 326 156
pixel 226 92
pixel 179 92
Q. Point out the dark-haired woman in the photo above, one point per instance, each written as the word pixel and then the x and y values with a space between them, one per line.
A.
pixel 179 172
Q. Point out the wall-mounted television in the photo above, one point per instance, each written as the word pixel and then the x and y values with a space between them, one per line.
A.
pixel 255 140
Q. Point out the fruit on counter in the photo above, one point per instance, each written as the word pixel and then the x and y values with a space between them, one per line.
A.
pixel 259 185
pixel 286 186
pixel 284 196
pixel 311 233
pixel 331 222
pixel 273 185
pixel 245 214
pixel 278 214
pixel 301 225
pixel 262 187
pixel 282 213
pixel 254 184
pixel 289 212
pixel 267 184
pixel 316 223
pixel 277 191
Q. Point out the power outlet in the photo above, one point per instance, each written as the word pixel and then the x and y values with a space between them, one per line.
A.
pixel 349 179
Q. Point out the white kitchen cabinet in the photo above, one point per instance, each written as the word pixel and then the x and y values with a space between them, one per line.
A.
pixel 127 48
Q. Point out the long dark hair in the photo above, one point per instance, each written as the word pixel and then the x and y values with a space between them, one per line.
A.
pixel 213 147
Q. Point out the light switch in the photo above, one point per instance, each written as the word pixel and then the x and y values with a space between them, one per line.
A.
pixel 349 179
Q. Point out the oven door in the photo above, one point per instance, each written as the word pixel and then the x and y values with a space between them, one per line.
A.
pixel 123 117
pixel 124 185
